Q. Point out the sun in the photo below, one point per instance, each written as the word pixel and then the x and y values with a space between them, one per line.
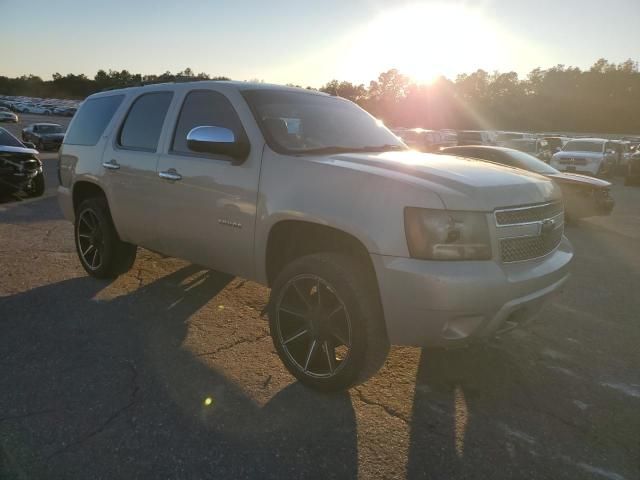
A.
pixel 424 41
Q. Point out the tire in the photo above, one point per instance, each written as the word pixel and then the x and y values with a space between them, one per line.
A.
pixel 37 186
pixel 40 146
pixel 94 232
pixel 346 340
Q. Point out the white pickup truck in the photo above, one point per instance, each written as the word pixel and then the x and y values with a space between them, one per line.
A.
pixel 363 242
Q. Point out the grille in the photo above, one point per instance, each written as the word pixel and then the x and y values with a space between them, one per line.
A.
pixel 573 161
pixel 526 248
pixel 528 214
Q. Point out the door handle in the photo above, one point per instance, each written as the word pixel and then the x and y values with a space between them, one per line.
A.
pixel 170 174
pixel 111 165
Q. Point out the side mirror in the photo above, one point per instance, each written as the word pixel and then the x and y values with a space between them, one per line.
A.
pixel 29 145
pixel 218 140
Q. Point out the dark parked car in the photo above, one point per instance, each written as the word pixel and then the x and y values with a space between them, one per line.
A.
pixel 65 111
pixel 423 140
pixel 632 175
pixel 69 112
pixel 44 135
pixel 20 167
pixel 584 196
pixel 533 146
pixel 476 137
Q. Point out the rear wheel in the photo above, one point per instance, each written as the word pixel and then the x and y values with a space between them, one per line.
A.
pixel 101 252
pixel 326 321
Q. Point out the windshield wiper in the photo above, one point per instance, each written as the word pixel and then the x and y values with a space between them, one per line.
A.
pixel 338 149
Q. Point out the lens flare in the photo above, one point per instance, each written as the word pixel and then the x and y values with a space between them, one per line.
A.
pixel 426 40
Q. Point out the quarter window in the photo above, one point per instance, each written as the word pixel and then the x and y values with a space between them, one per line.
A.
pixel 143 125
pixel 204 108
pixel 91 120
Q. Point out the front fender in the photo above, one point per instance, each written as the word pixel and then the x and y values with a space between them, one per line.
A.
pixel 365 205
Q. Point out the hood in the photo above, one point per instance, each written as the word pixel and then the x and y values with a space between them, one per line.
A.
pixel 461 183
pixel 577 179
pixel 570 154
pixel 25 150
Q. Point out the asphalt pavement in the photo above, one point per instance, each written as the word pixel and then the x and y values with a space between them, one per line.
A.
pixel 168 372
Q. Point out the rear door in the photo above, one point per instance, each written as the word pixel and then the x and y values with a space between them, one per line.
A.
pixel 129 164
pixel 209 210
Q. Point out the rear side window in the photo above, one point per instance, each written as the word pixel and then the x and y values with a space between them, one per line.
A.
pixel 142 127
pixel 204 108
pixel 91 120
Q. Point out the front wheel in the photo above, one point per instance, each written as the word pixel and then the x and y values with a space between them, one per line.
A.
pixel 101 252
pixel 326 321
pixel 36 189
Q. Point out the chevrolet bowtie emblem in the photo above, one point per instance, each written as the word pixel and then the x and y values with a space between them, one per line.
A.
pixel 547 226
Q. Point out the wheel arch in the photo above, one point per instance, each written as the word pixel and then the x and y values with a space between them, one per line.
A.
pixel 289 239
pixel 84 189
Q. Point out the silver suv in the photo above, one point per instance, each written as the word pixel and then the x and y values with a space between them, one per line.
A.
pixel 363 242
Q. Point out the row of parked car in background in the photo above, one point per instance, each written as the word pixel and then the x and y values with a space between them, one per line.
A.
pixel 38 106
pixel 573 162
pixel 596 157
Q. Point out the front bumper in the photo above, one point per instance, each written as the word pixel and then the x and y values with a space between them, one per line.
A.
pixel 18 181
pixel 65 200
pixel 588 169
pixel 604 205
pixel 431 303
pixel 588 204
pixel 52 144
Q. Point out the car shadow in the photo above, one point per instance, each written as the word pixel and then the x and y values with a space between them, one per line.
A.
pixel 531 404
pixel 448 433
pixel 97 387
pixel 17 210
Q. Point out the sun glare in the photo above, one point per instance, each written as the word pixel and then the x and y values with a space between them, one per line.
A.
pixel 425 41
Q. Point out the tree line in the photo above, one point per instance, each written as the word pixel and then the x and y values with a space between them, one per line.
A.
pixel 603 98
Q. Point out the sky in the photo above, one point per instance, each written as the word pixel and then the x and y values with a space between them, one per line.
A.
pixel 309 42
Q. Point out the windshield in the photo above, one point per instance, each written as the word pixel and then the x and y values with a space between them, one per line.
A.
pixel 50 129
pixel 299 122
pixel 529 162
pixel 9 140
pixel 582 146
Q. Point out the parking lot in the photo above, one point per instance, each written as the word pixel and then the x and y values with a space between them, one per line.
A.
pixel 168 372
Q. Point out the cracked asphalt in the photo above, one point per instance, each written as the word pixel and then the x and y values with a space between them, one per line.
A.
pixel 168 372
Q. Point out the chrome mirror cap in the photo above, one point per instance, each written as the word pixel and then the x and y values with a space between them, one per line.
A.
pixel 218 141
pixel 208 134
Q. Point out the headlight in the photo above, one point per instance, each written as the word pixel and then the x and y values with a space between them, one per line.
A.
pixel 447 235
